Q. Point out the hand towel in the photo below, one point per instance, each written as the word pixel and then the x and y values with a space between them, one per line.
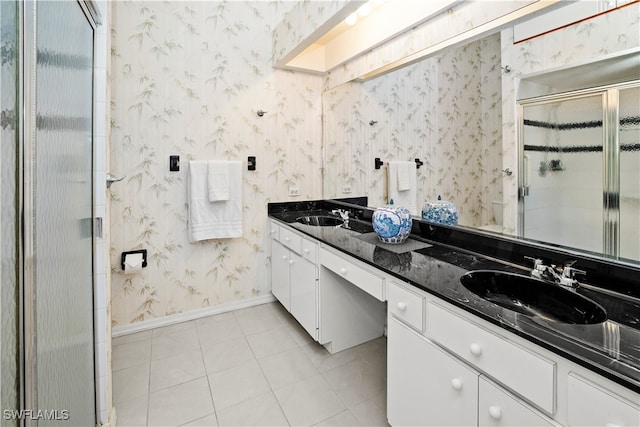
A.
pixel 214 220
pixel 405 198
pixel 218 180
pixel 404 170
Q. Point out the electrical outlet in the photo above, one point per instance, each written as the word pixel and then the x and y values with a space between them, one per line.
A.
pixel 294 191
pixel 346 189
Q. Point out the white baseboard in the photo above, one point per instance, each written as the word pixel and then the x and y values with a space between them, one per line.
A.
pixel 132 328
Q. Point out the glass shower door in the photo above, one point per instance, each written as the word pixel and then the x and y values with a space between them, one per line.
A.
pixel 61 219
pixel 562 171
pixel 580 180
pixel 629 141
pixel 9 399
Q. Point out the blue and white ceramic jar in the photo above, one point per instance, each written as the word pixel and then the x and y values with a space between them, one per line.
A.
pixel 440 212
pixel 392 223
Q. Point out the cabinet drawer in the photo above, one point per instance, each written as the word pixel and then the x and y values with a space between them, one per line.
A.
pixel 496 407
pixel 275 230
pixel 309 250
pixel 591 405
pixel 524 372
pixel 406 306
pixel 290 239
pixel 352 272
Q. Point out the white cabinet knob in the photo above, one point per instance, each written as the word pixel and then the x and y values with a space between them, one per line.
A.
pixel 402 306
pixel 273 231
pixel 284 257
pixel 475 349
pixel 286 239
pixel 290 261
pixel 306 250
pixel 456 384
pixel 343 271
pixel 495 412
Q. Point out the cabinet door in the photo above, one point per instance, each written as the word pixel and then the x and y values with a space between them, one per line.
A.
pixel 426 386
pixel 280 281
pixel 590 405
pixel 498 408
pixel 304 294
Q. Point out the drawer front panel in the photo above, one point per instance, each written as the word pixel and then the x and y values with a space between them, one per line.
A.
pixel 290 239
pixel 309 250
pixel 275 230
pixel 406 306
pixel 352 272
pixel 496 407
pixel 524 372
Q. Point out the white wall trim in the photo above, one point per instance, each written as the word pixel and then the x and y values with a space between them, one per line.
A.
pixel 132 328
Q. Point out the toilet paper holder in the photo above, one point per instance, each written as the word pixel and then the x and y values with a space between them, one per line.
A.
pixel 123 257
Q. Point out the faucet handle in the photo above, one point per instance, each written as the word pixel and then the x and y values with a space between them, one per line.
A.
pixel 568 275
pixel 536 261
pixel 538 267
pixel 570 272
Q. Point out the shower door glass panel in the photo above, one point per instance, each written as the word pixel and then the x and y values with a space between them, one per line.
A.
pixel 563 168
pixel 63 214
pixel 8 188
pixel 629 140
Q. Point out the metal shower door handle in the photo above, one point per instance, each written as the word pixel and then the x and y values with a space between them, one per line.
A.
pixel 111 179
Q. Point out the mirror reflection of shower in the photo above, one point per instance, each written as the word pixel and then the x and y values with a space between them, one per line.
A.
pixel 580 162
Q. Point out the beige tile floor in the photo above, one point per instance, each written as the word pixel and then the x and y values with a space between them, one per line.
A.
pixel 250 367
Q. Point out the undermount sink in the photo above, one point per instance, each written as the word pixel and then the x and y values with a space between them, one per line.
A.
pixel 533 297
pixel 320 220
pixel 333 221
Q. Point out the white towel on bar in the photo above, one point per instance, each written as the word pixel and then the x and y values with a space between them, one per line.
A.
pixel 218 180
pixel 214 220
pixel 405 198
pixel 404 170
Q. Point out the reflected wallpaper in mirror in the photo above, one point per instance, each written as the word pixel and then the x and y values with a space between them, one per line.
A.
pixel 445 110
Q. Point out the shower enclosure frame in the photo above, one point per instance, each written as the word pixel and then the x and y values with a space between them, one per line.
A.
pixel 610 157
pixel 26 104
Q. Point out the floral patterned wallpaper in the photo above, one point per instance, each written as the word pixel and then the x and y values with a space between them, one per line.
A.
pixel 187 80
pixel 304 18
pixel 445 110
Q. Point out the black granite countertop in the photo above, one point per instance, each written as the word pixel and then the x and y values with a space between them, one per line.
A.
pixel 611 348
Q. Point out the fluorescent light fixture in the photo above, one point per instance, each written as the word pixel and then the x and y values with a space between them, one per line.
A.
pixel 351 19
pixel 365 9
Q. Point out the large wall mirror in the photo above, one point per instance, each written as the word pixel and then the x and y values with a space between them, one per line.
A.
pixel 456 111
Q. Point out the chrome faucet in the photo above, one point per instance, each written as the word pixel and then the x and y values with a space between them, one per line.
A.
pixel 563 277
pixel 344 215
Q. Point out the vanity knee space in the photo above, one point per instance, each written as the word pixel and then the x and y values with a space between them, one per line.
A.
pixel 338 300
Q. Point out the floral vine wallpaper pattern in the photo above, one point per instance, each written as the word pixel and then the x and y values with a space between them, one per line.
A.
pixel 188 79
pixel 445 110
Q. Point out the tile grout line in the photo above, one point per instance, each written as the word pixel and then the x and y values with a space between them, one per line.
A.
pixel 206 374
pixel 262 370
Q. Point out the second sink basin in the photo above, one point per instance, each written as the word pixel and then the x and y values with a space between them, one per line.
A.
pixel 333 221
pixel 533 297
pixel 319 220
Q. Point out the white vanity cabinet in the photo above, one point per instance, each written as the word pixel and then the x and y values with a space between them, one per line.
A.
pixel 425 385
pixel 337 299
pixel 294 276
pixel 592 405
pixel 428 385
pixel 449 367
